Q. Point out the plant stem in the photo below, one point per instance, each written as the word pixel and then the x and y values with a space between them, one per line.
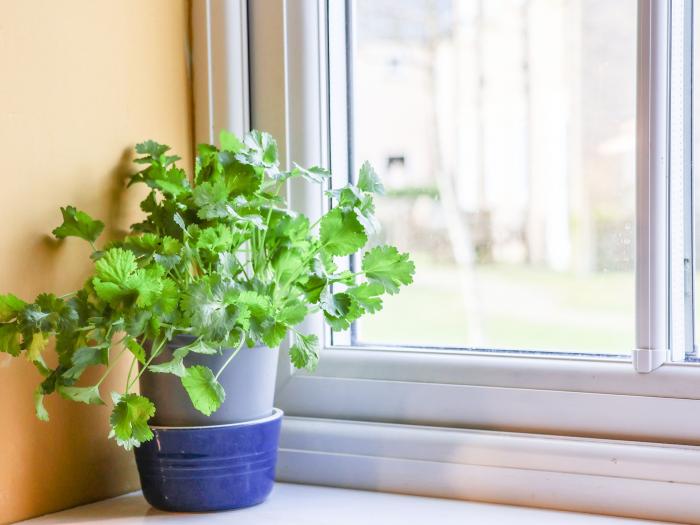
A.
pixel 233 354
pixel 110 366
pixel 154 354
pixel 131 370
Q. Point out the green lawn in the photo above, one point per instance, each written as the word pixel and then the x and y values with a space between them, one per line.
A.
pixel 520 307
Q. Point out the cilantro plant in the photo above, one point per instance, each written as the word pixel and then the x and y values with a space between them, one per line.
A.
pixel 219 257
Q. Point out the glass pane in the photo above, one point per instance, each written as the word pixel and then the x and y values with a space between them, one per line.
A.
pixel 504 133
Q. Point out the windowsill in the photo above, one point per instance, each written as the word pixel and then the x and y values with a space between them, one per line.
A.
pixel 291 503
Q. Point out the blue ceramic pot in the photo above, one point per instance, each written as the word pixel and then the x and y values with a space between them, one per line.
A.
pixel 220 467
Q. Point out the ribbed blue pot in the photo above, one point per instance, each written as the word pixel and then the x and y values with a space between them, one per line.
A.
pixel 221 467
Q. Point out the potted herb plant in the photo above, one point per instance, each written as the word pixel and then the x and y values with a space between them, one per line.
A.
pixel 199 296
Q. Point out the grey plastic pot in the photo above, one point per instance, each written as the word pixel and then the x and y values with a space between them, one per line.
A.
pixel 249 382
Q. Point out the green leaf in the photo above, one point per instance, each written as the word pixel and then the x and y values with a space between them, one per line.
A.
pixel 129 420
pixel 175 366
pixel 262 148
pixel 293 314
pixel 368 296
pixel 168 299
pixel 147 285
pixel 204 390
pixel 151 148
pixel 337 305
pixel 241 178
pixel 304 352
pixel 212 199
pixel 86 356
pixel 273 332
pixel 287 265
pixel 117 277
pixel 201 347
pixel 314 174
pixel 143 245
pixel 340 310
pixel 341 232
pixel 137 350
pixel 314 286
pixel 216 239
pixel 39 408
pixel 88 394
pixel 37 346
pixel 211 316
pixel 10 306
pixel 386 266
pixel 78 224
pixel 116 266
pixel 369 180
pixel 172 182
pixel 9 339
pixel 230 142
pixel 91 355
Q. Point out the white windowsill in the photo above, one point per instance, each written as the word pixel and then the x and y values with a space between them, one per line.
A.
pixel 312 505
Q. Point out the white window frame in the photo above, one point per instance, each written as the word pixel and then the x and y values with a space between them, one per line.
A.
pixel 439 401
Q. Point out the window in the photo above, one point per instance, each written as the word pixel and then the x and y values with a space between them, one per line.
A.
pixel 515 125
pixel 392 403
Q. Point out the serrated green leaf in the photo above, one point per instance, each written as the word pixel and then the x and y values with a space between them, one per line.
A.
pixel 314 174
pixel 147 285
pixel 175 366
pixel 230 142
pixel 129 420
pixel 341 232
pixel 337 305
pixel 116 266
pixel 86 356
pixel 368 296
pixel 144 245
pixel 211 306
pixel 136 350
pixel 314 286
pixel 10 306
pixel 172 182
pixel 340 310
pixel 88 394
pixel 152 148
pixel 304 352
pixel 262 148
pixel 78 224
pixel 293 313
pixel 386 266
pixel 168 298
pixel 204 390
pixel 273 333
pixel 36 346
pixel 200 346
pixel 369 180
pixel 212 199
pixel 241 178
pixel 91 355
pixel 9 339
pixel 287 266
pixel 215 239
pixel 117 277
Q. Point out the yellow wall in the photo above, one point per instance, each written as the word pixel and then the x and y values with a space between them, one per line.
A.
pixel 80 82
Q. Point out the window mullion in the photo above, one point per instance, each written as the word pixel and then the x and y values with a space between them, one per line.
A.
pixel 652 275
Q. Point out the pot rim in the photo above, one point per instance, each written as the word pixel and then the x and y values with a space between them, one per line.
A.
pixel 276 414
